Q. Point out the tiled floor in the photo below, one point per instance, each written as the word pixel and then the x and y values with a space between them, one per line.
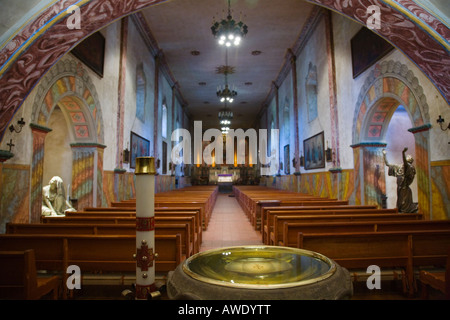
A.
pixel 229 226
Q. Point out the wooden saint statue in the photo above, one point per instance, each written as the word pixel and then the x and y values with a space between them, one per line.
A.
pixel 405 174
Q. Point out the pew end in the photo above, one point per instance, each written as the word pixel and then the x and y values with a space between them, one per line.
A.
pixel 19 278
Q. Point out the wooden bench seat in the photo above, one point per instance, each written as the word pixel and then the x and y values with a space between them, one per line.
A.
pixel 288 209
pixel 252 200
pixel 269 222
pixel 291 230
pixel 104 229
pixel 194 237
pixel 158 213
pixel 393 249
pixel 277 234
pixel 439 280
pixel 19 279
pixel 92 253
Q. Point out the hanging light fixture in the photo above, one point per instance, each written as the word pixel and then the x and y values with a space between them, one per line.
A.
pixel 225 117
pixel 225 93
pixel 228 31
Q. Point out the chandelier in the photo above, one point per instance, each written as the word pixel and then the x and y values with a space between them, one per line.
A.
pixel 225 94
pixel 225 117
pixel 228 31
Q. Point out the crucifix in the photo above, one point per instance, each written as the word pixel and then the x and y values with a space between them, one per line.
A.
pixel 10 144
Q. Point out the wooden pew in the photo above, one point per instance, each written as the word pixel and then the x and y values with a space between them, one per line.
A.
pixel 19 279
pixel 291 230
pixel 393 249
pixel 92 253
pixel 282 209
pixel 277 234
pixel 253 199
pixel 203 197
pixel 111 211
pixel 439 280
pixel 194 237
pixel 106 229
pixel 196 232
pixel 270 214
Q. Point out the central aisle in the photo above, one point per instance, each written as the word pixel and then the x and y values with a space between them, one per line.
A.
pixel 229 226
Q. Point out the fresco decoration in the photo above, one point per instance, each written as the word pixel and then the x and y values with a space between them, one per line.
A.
pixel 440 188
pixel 44 40
pixel 69 86
pixel 389 79
pixel 15 194
pixel 311 92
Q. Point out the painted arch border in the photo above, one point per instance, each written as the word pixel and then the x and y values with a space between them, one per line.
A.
pixel 81 87
pixel 384 76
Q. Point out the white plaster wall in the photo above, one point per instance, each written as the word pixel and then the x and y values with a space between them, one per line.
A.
pixel 314 52
pixel 138 54
pixel 58 153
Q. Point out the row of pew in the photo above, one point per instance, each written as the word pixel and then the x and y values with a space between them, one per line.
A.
pixel 102 240
pixel 354 236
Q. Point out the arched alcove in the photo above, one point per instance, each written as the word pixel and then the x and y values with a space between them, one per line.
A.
pixel 66 105
pixel 388 85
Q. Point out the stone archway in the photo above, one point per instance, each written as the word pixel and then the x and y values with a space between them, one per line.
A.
pixel 69 87
pixel 388 85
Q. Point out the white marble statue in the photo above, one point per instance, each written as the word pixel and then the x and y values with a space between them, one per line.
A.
pixel 54 202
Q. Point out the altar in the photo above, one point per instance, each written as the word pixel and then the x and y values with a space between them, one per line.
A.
pixel 225 182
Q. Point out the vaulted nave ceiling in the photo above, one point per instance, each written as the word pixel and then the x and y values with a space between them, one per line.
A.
pixel 182 29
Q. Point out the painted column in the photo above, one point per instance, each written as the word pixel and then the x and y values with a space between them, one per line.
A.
pixel 145 227
pixel 277 111
pixel 332 90
pixel 296 124
pixel 37 170
pixel 422 165
pixel 87 174
pixel 121 91
pixel 370 182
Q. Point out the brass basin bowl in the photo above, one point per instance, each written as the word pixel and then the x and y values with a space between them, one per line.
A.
pixel 257 272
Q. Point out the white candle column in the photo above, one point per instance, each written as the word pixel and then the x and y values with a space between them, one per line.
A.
pixel 145 227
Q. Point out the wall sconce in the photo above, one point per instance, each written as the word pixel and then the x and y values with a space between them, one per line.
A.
pixel 21 123
pixel 440 120
pixel 126 155
pixel 328 153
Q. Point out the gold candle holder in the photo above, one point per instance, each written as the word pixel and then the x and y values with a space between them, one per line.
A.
pixel 145 165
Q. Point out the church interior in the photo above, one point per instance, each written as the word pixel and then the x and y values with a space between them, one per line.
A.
pixel 321 126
